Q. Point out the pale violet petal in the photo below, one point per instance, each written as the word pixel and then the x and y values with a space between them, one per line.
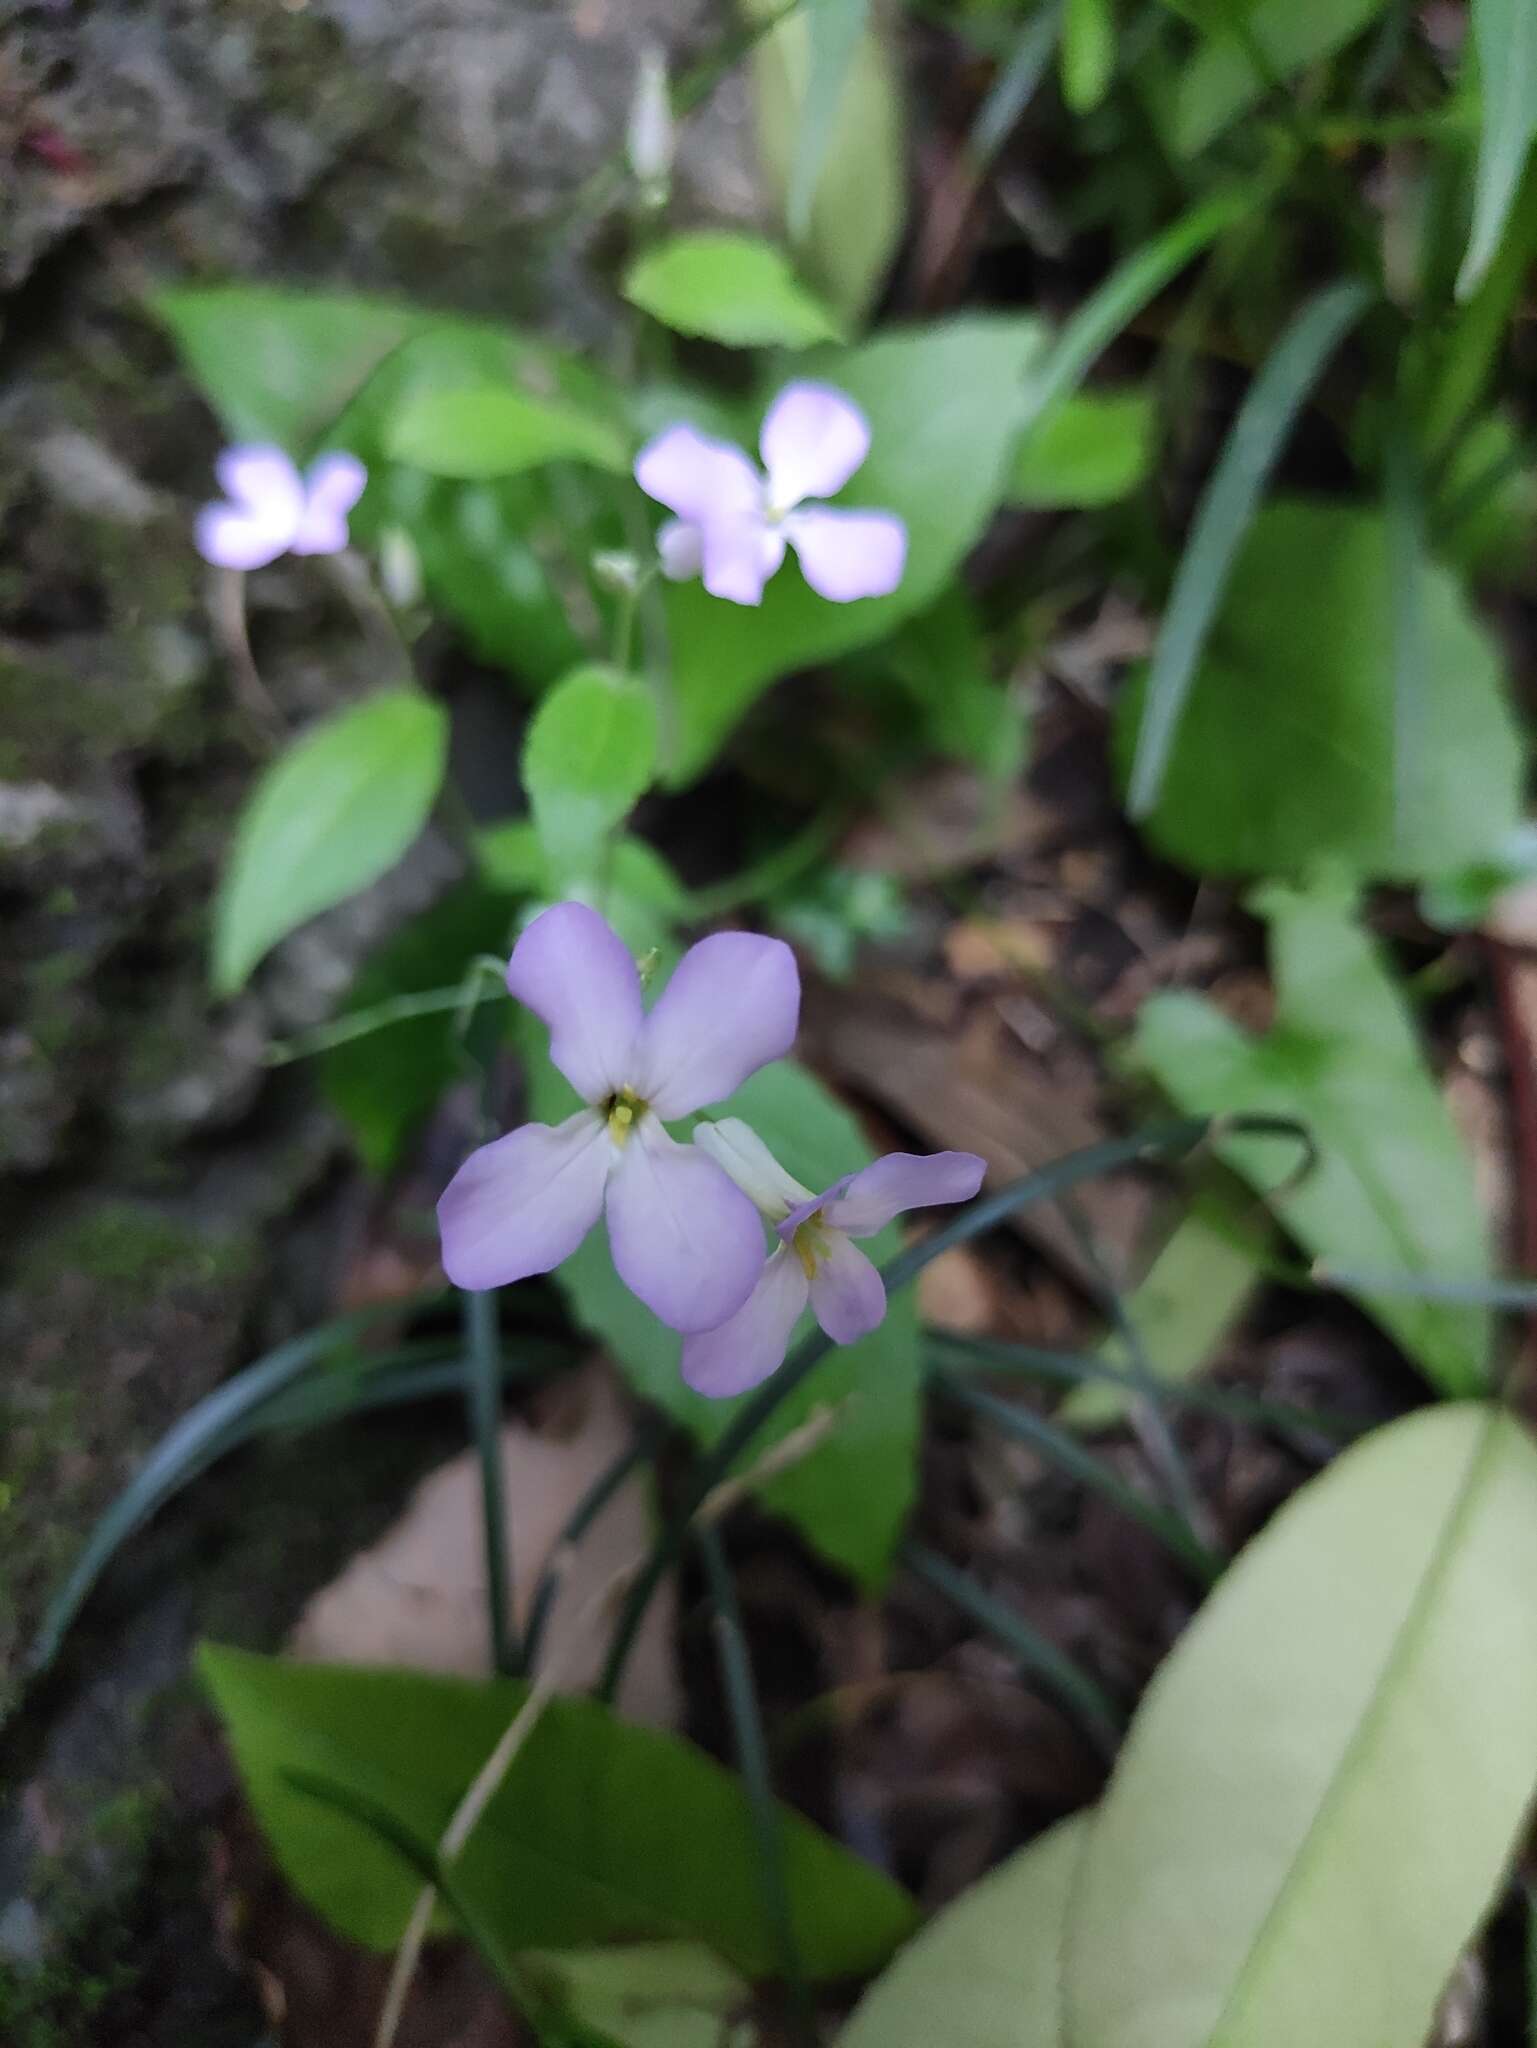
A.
pixel 848 555
pixel 813 440
pixel 333 486
pixel 262 479
pixel 680 549
pixel 848 1296
pixel 698 477
pixel 685 1239
pixel 570 969
pixel 749 1347
pixel 738 556
pixel 738 1150
pixel 733 1004
pixel 867 1201
pixel 232 539
pixel 523 1203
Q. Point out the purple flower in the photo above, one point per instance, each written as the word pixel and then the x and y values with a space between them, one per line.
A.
pixel 683 1235
pixel 272 510
pixel 816 1259
pixel 732 523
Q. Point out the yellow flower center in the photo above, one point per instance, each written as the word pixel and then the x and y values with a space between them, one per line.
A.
pixel 622 1112
pixel 810 1242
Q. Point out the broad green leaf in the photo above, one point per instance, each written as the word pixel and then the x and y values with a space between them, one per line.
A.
pixel 326 819
pixel 850 1494
pixel 1325 1782
pixel 588 756
pixel 941 659
pixel 987 1971
pixel 1093 448
pixel 494 430
pixel 1392 1190
pixel 281 365
pixel 1485 515
pixel 859 203
pixel 1505 38
pixel 600 1831
pixel 1088 52
pixel 729 288
pixel 652 1994
pixel 1223 80
pixel 1182 1308
pixel 835 30
pixel 1227 507
pixel 940 401
pixel 386 1084
pixel 1285 755
pixel 640 895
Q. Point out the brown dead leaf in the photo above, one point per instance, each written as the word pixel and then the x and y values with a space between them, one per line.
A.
pixel 417 1597
pixel 997 948
pixel 957 1292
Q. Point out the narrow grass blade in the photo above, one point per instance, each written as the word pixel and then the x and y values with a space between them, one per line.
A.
pixel 835 27
pixel 484 1400
pixel 1254 441
pixel 1406 547
pixel 1014 87
pixel 1505 36
pixel 752 1761
pixel 648 1439
pixel 1133 285
pixel 1042 1660
pixel 186 1449
pixel 1069 1456
pixel 1088 53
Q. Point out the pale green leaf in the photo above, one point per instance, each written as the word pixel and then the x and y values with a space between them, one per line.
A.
pixel 600 1830
pixel 1286 749
pixel 859 203
pixel 1266 45
pixel 649 1994
pixel 1088 53
pixel 729 288
pixel 1093 448
pixel 987 1971
pixel 1325 1783
pixel 493 430
pixel 940 401
pixel 326 819
pixel 1505 37
pixel 1392 1190
pixel 850 1494
pixel 588 756
pixel 836 29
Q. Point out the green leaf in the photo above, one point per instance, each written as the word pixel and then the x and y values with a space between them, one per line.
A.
pixel 835 29
pixel 1227 507
pixel 987 1971
pixel 386 1084
pixel 1392 1190
pixel 655 1994
pixel 493 430
pixel 588 756
pixel 1286 749
pixel 1262 44
pixel 941 660
pixel 1092 449
pixel 940 401
pixel 1505 38
pixel 326 819
pixel 850 1495
pixel 1324 1785
pixel 1088 53
pixel 859 204
pixel 735 289
pixel 600 1831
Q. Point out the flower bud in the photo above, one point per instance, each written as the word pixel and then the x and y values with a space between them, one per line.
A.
pixel 649 135
pixel 400 568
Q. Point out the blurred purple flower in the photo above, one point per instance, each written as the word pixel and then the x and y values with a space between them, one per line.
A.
pixel 732 523
pixel 684 1237
pixel 271 510
pixel 816 1259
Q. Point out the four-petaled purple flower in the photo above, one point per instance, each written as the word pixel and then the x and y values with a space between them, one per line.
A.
pixel 272 510
pixel 732 524
pixel 816 1259
pixel 685 1239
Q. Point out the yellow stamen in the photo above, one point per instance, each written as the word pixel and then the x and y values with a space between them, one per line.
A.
pixel 623 1112
pixel 810 1242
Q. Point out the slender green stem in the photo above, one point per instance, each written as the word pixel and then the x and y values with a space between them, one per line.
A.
pixel 483 1346
pixel 1058 1674
pixel 1069 1455
pixel 428 1002
pixel 587 1510
pixel 753 1763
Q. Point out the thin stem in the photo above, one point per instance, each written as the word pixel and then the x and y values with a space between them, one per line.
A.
pixel 462 998
pixel 1040 1659
pixel 644 1444
pixel 484 1386
pixel 752 1762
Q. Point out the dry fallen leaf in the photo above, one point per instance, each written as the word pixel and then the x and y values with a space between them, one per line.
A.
pixel 417 1596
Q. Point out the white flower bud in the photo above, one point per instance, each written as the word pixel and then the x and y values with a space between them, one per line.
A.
pixel 649 135
pixel 400 568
